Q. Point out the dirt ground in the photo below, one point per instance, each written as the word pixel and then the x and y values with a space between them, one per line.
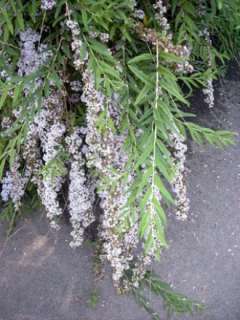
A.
pixel 42 278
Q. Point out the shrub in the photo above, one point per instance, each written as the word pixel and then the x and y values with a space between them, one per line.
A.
pixel 94 110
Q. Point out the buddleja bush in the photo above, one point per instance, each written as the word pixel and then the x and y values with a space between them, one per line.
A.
pixel 92 104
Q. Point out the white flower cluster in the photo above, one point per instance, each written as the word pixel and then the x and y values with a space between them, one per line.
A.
pixel 139 14
pixel 209 90
pixel 75 85
pixel 114 108
pixel 117 247
pixel 32 154
pixel 151 36
pixel 38 132
pixel 209 93
pixel 140 267
pixel 105 154
pixel 4 75
pixel 178 183
pixel 95 103
pixel 80 53
pixel 47 4
pixel 50 132
pixel 80 197
pixel 33 54
pixel 204 32
pixel 6 123
pixel 75 96
pixel 51 147
pixel 160 15
pixel 45 135
pixel 49 196
pixel 103 36
pixel 32 57
pixel 202 8
pixel 13 184
pixel 185 66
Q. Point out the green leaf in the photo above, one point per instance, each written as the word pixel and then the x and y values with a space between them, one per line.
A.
pixel 160 211
pixel 101 49
pixel 143 94
pixel 173 90
pixel 109 70
pixel 7 20
pixel 164 192
pixel 144 223
pixel 4 96
pixel 146 152
pixel 20 20
pixel 17 92
pixel 141 58
pixel 2 165
pixel 140 74
pixel 145 198
pixel 149 242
